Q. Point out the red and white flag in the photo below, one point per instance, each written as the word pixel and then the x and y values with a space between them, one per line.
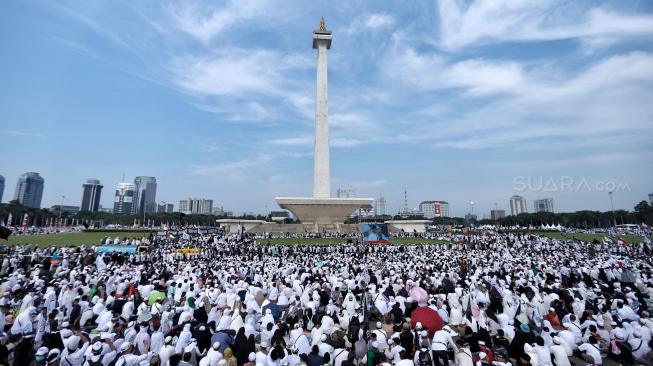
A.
pixel 25 223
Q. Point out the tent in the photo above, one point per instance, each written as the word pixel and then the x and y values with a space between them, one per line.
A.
pixel 419 295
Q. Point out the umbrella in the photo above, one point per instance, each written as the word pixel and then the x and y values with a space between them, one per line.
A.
pixel 419 295
pixel 274 309
pixel 154 296
pixel 429 318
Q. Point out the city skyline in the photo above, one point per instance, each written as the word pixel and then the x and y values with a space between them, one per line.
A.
pixel 224 110
pixel 341 191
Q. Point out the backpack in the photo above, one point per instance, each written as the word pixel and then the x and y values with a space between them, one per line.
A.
pixel 95 363
pixel 424 358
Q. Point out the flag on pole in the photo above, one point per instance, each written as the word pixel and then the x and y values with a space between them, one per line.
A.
pixel 23 226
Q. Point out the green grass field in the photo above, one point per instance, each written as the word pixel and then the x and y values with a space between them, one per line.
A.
pixel 68 239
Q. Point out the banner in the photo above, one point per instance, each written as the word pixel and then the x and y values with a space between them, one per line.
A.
pixel 375 233
pixel 23 226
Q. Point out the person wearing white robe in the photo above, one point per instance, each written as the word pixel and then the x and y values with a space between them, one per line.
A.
pixel 184 339
pixel 166 351
pixel 23 322
pixel 299 340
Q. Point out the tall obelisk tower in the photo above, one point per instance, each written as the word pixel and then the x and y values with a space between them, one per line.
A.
pixel 321 176
pixel 321 208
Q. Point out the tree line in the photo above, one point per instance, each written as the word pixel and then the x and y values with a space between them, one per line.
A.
pixel 642 214
pixel 42 216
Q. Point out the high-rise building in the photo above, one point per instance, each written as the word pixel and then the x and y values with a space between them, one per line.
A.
pixel 124 200
pixel 196 206
pixel 518 205
pixel 29 190
pixel 432 209
pixel 543 205
pixel 2 187
pixel 497 214
pixel 145 195
pixel 91 195
pixel 346 192
pixel 380 206
pixel 650 198
pixel 165 208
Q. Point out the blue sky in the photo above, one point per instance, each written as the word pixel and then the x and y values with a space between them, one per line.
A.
pixel 454 100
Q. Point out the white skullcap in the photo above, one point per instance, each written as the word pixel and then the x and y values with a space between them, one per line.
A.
pixel 124 346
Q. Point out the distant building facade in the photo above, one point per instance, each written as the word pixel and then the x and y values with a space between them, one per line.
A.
pixel 650 198
pixel 92 190
pixel 145 195
pixel 64 209
pixel 219 211
pixel 279 215
pixel 346 192
pixel 543 205
pixel 497 214
pixel 29 190
pixel 125 198
pixel 433 209
pixel 201 206
pixel 380 206
pixel 518 205
pixel 165 208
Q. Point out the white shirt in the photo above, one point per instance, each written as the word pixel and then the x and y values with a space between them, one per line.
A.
pixel 560 355
pixel 592 351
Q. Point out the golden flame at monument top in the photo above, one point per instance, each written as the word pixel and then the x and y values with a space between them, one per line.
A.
pixel 322 26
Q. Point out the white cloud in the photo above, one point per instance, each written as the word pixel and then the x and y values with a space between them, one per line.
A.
pixel 22 133
pixel 464 24
pixel 295 141
pixel 232 72
pixel 345 142
pixel 370 22
pixel 204 22
pixel 608 97
pixel 233 168
pixel 430 71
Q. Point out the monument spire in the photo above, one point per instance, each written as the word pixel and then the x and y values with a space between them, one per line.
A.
pixel 321 174
pixel 321 208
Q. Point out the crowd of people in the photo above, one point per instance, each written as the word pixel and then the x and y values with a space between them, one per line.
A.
pixel 485 299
